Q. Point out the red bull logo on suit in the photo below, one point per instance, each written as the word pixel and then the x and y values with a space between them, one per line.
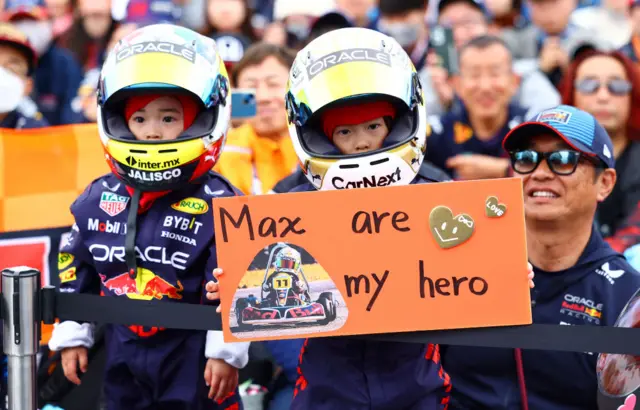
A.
pixel 145 286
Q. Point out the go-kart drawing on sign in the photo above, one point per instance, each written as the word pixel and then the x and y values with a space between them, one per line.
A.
pixel 286 291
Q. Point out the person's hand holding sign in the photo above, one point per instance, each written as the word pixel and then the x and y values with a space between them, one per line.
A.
pixel 213 288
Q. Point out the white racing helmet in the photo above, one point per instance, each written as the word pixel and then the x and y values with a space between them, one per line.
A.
pixel 347 66
pixel 287 260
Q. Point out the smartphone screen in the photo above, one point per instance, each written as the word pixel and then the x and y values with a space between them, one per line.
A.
pixel 441 39
pixel 243 103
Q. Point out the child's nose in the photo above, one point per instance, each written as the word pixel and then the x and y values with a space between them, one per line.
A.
pixel 152 132
pixel 362 145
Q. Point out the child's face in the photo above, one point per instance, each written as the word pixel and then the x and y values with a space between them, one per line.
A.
pixel 356 139
pixel 161 119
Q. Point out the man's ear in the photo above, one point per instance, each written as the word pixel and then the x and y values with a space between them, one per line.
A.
pixel 28 86
pixel 605 182
pixel 454 80
pixel 517 80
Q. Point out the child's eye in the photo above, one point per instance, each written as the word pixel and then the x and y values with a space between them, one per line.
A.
pixel 343 132
pixel 168 119
pixel 138 119
pixel 374 126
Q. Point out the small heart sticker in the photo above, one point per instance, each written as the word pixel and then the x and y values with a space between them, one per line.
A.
pixel 450 231
pixel 629 403
pixel 493 208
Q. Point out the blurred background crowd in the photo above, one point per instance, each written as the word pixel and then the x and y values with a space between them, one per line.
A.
pixel 485 67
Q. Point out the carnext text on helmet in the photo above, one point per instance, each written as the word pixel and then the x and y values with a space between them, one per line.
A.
pixel 367 182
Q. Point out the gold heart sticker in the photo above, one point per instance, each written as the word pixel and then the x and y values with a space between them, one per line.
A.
pixel 450 231
pixel 493 209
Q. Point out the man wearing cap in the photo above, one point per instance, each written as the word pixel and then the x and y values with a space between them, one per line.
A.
pixel 58 74
pixel 17 63
pixel 565 159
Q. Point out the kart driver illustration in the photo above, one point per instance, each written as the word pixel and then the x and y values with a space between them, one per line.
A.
pixel 287 261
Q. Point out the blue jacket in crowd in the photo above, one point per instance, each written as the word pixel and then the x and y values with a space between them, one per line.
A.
pixel 592 293
pixel 452 135
pixel 57 79
pixel 17 120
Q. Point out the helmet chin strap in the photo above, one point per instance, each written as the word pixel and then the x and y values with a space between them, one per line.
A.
pixel 130 239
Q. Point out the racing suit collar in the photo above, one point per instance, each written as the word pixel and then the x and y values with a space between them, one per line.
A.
pixel 147 198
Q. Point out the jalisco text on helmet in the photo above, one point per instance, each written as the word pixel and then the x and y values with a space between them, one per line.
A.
pixel 154 176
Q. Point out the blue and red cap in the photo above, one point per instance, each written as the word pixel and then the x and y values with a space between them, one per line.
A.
pixel 579 129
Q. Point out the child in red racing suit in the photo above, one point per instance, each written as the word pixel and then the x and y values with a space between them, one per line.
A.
pixel 145 232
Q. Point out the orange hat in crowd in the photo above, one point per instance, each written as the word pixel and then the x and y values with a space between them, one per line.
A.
pixel 138 102
pixel 355 114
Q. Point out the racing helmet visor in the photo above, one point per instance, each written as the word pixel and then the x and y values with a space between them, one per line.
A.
pixel 347 76
pixel 287 263
pixel 167 62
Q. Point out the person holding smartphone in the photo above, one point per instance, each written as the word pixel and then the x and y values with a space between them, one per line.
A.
pixel 461 21
pixel 259 153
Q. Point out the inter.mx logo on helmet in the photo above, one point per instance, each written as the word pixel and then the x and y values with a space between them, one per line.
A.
pixel 157 47
pixel 113 204
pixel 131 161
pixel 347 56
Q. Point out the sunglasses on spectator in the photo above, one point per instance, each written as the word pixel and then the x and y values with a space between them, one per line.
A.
pixel 616 86
pixel 561 162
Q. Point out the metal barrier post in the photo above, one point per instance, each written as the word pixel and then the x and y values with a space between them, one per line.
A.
pixel 21 316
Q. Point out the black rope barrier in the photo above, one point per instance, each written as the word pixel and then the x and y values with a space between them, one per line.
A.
pixel 93 308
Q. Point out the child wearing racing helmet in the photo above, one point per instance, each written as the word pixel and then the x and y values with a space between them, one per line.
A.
pixel 287 261
pixel 144 231
pixel 357 118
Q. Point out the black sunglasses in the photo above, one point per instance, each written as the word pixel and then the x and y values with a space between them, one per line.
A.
pixel 616 86
pixel 561 162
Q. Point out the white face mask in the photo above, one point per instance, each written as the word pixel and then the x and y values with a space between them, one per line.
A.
pixel 40 34
pixel 405 34
pixel 11 90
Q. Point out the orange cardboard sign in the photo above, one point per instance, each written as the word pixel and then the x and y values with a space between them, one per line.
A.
pixel 43 170
pixel 396 259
